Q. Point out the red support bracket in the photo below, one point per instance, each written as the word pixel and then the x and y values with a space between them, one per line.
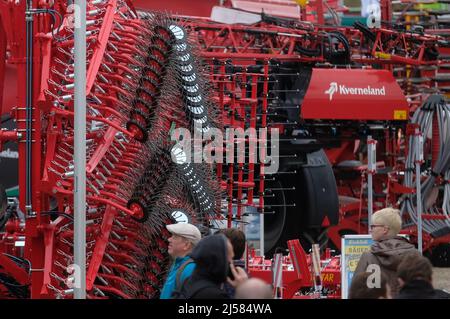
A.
pixel 299 261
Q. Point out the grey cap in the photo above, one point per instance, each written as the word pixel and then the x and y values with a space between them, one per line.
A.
pixel 185 230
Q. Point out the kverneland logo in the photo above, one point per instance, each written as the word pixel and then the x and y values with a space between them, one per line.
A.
pixel 345 90
pixel 333 89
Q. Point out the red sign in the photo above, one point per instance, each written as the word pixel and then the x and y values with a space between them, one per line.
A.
pixel 341 94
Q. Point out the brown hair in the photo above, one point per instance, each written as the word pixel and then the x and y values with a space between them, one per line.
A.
pixel 415 266
pixel 359 288
pixel 237 239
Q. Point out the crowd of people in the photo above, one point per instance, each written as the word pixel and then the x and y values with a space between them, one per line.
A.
pixel 393 268
pixel 213 267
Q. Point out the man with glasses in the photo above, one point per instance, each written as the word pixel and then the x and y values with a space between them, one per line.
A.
pixel 388 249
pixel 184 238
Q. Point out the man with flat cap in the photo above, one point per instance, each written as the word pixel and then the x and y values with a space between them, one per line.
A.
pixel 184 238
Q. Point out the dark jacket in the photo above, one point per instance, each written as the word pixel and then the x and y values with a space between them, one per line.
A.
pixel 388 254
pixel 421 289
pixel 210 256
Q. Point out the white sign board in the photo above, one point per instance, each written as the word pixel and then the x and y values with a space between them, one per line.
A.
pixel 352 247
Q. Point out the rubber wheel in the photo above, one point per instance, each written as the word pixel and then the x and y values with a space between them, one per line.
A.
pixel 286 223
pixel 440 255
pixel 308 237
pixel 298 205
pixel 275 232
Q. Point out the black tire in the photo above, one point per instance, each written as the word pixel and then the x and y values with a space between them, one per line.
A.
pixel 275 224
pixel 314 236
pixel 288 223
pixel 305 208
pixel 440 255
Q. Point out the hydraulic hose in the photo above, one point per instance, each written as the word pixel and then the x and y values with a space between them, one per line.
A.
pixel 433 118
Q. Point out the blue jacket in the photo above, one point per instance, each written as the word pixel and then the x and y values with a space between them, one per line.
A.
pixel 169 285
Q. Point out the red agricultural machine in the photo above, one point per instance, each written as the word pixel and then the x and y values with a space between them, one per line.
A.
pixel 301 93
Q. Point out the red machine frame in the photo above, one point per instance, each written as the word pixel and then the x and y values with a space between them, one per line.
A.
pixel 221 46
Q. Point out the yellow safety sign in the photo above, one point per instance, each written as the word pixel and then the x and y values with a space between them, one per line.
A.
pixel 302 3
